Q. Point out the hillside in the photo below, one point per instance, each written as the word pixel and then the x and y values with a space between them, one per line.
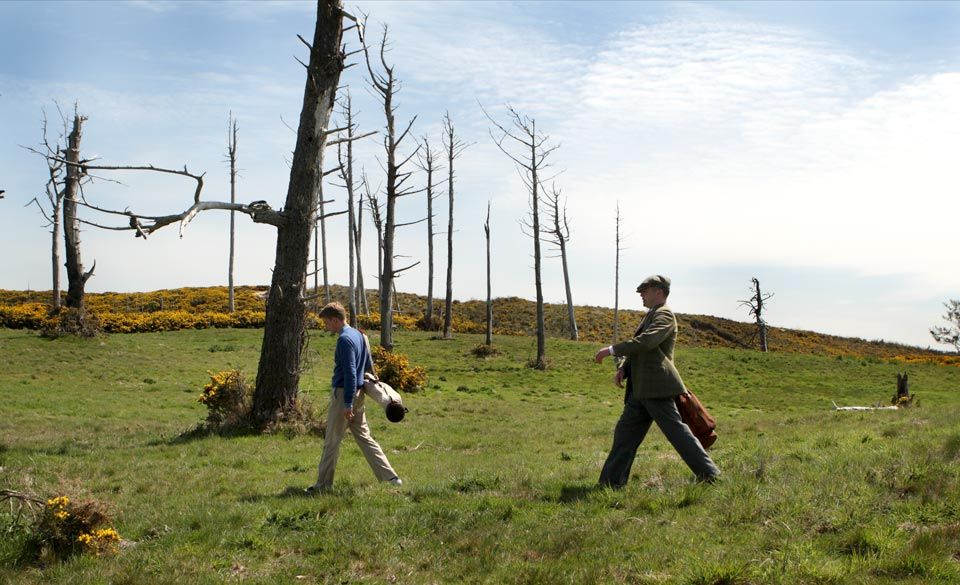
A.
pixel 499 463
pixel 511 316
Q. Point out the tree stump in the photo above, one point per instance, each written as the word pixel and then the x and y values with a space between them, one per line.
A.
pixel 903 396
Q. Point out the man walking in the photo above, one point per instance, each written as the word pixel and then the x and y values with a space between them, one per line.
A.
pixel 653 383
pixel 351 359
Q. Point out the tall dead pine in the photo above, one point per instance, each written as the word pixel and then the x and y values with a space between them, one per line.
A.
pixel 529 150
pixel 232 157
pixel 486 230
pixel 427 162
pixel 385 86
pixel 558 234
pixel 278 373
pixel 454 148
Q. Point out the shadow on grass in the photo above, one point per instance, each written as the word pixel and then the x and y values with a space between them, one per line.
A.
pixel 202 431
pixel 293 492
pixel 571 494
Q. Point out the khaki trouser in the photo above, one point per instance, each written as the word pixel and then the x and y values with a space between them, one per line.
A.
pixel 336 427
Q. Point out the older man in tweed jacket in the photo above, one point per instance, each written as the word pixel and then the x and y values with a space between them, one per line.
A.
pixel 646 362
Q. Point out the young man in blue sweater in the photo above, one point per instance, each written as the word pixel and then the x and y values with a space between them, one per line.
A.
pixel 351 360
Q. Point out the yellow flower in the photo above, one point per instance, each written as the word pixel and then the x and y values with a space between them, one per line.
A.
pixel 58 502
pixel 61 515
pixel 107 534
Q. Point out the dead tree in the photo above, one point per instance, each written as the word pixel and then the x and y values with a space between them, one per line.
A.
pixel 52 154
pixel 616 277
pixel 76 276
pixel 346 175
pixel 232 157
pixel 427 163
pixel 520 141
pixel 486 231
pixel 385 86
pixel 949 335
pixel 358 239
pixel 558 234
pixel 755 304
pixel 454 148
pixel 278 374
pixel 376 216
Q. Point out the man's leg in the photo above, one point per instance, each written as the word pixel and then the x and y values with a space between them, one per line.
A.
pixel 370 448
pixel 333 435
pixel 627 436
pixel 664 411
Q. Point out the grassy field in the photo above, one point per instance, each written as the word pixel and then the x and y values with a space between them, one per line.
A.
pixel 499 464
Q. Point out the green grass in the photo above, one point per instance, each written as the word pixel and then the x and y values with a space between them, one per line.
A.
pixel 499 463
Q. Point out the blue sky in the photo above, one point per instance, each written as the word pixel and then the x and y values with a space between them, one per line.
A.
pixel 810 145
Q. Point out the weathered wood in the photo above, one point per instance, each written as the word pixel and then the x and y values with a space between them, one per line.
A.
pixel 486 230
pixel 278 373
pixel 76 277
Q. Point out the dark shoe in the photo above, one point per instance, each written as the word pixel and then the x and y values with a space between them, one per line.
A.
pixel 315 489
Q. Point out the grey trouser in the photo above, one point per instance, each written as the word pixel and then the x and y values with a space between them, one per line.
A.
pixel 631 430
pixel 336 427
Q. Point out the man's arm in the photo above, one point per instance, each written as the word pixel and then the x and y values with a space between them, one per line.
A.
pixel 348 366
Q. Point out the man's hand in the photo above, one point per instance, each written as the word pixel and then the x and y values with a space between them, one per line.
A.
pixel 348 413
pixel 618 378
pixel 601 354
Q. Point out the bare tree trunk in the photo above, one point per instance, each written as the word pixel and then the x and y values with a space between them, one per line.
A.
pixel 530 160
pixel 384 85
pixel 346 173
pixel 560 230
pixel 232 154
pixel 755 305
pixel 761 324
pixel 427 164
pixel 278 373
pixel 616 282
pixel 76 277
pixel 387 275
pixel 316 257
pixel 374 206
pixel 55 195
pixel 55 251
pixel 454 148
pixel 535 204
pixel 361 290
pixel 323 244
pixel 486 230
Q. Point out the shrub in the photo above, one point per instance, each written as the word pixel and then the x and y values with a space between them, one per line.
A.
pixel 70 321
pixel 65 528
pixel 228 398
pixel 395 369
pixel 484 351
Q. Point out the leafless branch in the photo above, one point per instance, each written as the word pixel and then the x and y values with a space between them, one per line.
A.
pixel 351 139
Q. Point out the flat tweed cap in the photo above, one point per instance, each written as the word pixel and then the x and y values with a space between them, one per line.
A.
pixel 656 280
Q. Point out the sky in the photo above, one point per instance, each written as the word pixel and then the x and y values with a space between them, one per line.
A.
pixel 812 146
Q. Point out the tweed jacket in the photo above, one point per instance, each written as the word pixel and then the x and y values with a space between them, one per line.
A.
pixel 648 357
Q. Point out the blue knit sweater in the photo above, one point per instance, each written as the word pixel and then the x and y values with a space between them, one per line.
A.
pixel 351 360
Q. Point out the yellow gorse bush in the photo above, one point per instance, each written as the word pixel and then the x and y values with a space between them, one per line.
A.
pixel 395 369
pixel 65 528
pixel 227 397
pixel 198 308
